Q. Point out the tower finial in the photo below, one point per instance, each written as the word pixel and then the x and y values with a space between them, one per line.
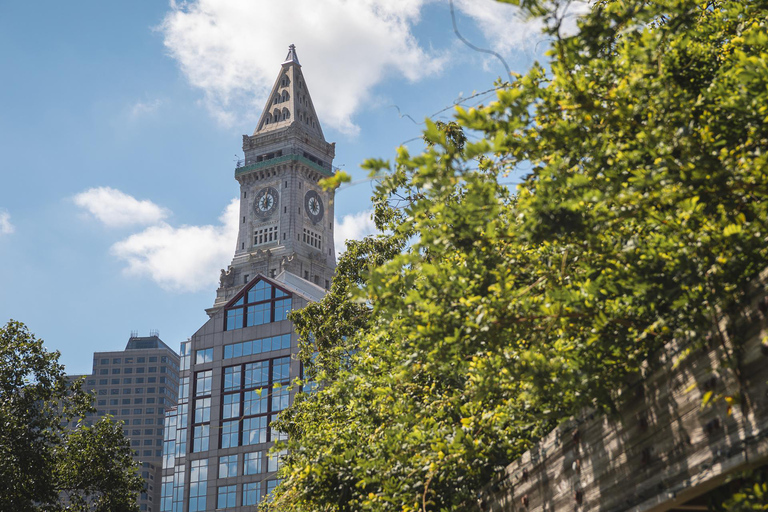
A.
pixel 292 57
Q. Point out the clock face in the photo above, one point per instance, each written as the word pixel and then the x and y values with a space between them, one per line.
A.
pixel 314 206
pixel 266 202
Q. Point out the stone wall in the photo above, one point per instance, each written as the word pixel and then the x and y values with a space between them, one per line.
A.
pixel 664 449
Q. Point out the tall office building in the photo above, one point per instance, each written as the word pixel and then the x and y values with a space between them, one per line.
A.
pixel 218 436
pixel 136 386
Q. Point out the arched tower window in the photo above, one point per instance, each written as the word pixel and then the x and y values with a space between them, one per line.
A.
pixel 286 96
pixel 286 114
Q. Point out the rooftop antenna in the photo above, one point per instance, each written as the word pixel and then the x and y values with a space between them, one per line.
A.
pixel 155 333
pixel 134 334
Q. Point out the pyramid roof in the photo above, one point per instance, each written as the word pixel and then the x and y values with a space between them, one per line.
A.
pixel 289 103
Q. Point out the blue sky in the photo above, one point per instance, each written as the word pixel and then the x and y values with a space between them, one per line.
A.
pixel 120 123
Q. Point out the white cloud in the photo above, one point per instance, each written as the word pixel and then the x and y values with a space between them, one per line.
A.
pixel 507 29
pixel 352 227
pixel 503 25
pixel 144 108
pixel 116 209
pixel 232 50
pixel 6 228
pixel 184 259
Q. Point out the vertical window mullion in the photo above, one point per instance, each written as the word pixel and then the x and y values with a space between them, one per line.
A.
pixel 272 294
pixel 221 405
pixel 241 419
pixel 270 383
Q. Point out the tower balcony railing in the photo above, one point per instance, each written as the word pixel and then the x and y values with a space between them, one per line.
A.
pixel 244 166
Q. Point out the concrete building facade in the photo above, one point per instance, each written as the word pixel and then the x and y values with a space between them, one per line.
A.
pixel 136 386
pixel 235 369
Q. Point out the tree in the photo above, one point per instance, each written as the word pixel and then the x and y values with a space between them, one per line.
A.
pixel 40 460
pixel 642 220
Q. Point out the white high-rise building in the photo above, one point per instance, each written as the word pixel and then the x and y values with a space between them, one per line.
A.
pixel 216 440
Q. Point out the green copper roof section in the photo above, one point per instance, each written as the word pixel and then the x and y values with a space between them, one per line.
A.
pixel 281 159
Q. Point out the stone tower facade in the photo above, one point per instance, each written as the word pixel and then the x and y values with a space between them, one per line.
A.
pixel 236 369
pixel 286 218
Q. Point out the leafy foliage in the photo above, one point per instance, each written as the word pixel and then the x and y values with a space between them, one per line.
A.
pixel 642 219
pixel 746 492
pixel 91 466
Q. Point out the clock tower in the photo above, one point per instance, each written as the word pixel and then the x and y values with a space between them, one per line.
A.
pixel 286 218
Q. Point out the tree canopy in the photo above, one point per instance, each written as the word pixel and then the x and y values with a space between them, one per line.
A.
pixel 487 315
pixel 43 465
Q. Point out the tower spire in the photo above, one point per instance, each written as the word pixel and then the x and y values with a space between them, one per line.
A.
pixel 292 57
pixel 289 103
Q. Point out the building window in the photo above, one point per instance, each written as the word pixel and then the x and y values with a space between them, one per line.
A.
pixel 184 388
pixel 250 400
pixel 198 485
pixel 228 466
pixel 226 496
pixel 202 411
pixel 200 434
pixel 231 407
pixel 260 304
pixel 312 239
pixel 203 383
pixel 204 356
pixel 271 484
pixel 274 461
pixel 251 494
pixel 252 463
pixel 247 348
pixel 280 399
pixel 230 433
pixel 265 235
